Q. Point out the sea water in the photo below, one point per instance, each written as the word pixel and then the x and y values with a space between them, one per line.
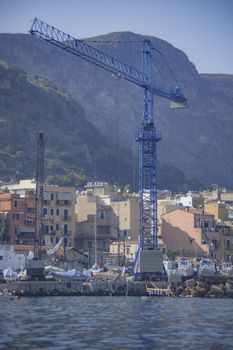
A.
pixel 116 323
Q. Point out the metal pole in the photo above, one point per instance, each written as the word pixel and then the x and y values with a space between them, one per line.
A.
pixel 95 231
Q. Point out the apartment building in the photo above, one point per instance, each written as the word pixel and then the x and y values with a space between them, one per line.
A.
pixel 190 233
pixel 58 213
pixel 218 209
pixel 126 208
pixel 113 215
pixel 96 227
pixel 191 200
pixel 12 208
pixel 225 230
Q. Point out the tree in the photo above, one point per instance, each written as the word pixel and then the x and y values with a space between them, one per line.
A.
pixel 4 236
pixel 171 254
pixel 128 188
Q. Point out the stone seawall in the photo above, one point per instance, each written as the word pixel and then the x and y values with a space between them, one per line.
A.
pixel 66 288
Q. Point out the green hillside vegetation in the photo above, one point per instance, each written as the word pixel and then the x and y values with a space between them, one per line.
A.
pixel 72 144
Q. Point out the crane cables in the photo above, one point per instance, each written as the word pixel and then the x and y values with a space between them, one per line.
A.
pixel 161 71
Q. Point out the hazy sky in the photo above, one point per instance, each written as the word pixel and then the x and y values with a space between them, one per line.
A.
pixel 203 29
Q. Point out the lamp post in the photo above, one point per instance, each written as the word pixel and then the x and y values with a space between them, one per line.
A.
pixel 191 241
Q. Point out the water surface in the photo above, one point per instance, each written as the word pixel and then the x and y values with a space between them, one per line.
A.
pixel 116 323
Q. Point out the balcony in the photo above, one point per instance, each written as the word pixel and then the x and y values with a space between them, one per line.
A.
pixel 48 217
pixel 29 221
pixel 63 203
pixel 66 218
pixel 52 233
pixel 67 233
pixel 46 201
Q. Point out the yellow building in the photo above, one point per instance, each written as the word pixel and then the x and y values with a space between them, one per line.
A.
pixel 96 227
pixel 226 240
pixel 126 208
pixel 115 216
pixel 218 209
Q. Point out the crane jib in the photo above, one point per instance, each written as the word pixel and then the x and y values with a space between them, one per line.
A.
pixel 77 47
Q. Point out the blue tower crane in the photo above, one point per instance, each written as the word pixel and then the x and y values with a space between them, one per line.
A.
pixel 148 138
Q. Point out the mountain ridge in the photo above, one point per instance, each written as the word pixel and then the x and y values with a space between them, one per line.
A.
pixel 196 140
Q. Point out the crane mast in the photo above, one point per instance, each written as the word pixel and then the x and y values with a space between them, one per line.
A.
pixel 147 139
pixel 35 267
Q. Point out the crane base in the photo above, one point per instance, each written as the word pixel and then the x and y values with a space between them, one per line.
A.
pixel 151 262
pixel 35 270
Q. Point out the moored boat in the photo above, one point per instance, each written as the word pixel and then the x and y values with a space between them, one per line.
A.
pixel 9 258
pixel 207 267
pixel 227 268
pixel 185 268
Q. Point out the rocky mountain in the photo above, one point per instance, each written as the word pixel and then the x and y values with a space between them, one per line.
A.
pixel 197 140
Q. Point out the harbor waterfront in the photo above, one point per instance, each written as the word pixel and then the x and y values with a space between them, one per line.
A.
pixel 208 287
pixel 116 323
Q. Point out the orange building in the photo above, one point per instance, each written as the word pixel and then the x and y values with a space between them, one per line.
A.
pixel 13 207
pixel 190 233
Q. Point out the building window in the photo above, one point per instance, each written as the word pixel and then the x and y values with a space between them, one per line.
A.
pixel 66 202
pixel 45 211
pixel 65 242
pixel 57 227
pixel 51 211
pixel 65 214
pixel 101 215
pixel 15 230
pixel 89 244
pixel 51 228
pixel 15 204
pixel 51 196
pixel 65 229
pixel 57 211
pixel 57 239
pixel 17 216
pixel 13 216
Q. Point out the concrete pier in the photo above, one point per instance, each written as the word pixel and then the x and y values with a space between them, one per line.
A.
pixel 209 286
pixel 69 288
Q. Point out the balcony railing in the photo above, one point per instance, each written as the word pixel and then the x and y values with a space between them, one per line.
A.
pixel 48 217
pixel 66 218
pixel 67 233
pixel 29 221
pixel 63 203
